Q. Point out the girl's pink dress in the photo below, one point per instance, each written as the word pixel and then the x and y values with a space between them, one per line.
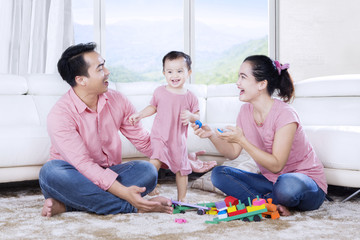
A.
pixel 168 134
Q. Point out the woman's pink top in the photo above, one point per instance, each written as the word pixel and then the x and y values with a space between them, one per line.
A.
pixel 168 134
pixel 302 158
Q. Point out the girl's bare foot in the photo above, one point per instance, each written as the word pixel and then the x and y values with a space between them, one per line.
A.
pixel 164 206
pixel 52 207
pixel 283 211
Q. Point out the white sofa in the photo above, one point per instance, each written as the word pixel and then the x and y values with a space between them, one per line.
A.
pixel 329 108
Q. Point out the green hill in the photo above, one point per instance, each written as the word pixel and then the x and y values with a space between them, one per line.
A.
pixel 225 69
pixel 222 70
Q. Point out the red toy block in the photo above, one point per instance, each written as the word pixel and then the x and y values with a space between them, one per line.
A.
pixel 238 212
pixel 232 200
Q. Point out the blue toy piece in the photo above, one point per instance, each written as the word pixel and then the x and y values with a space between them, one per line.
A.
pixel 197 122
pixel 220 130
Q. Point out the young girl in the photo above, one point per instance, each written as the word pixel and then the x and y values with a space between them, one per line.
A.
pixel 271 132
pixel 175 106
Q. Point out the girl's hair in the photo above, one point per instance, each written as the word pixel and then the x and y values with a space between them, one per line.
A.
pixel 175 55
pixel 263 68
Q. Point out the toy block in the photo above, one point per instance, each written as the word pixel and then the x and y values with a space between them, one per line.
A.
pixel 258 201
pixel 232 200
pixel 255 208
pixel 220 205
pixel 231 209
pixel 222 216
pixel 222 212
pixel 212 211
pixel 240 206
pixel 238 212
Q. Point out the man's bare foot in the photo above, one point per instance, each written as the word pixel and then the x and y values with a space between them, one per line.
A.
pixel 163 207
pixel 155 191
pixel 52 207
pixel 283 211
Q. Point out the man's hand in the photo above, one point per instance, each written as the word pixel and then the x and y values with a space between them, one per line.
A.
pixel 132 195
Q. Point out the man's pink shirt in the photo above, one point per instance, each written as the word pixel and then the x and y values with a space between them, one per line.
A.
pixel 90 140
pixel 302 158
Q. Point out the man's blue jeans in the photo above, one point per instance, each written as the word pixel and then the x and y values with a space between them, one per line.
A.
pixel 60 180
pixel 292 190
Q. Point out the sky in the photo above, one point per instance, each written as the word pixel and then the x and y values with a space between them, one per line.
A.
pixel 210 11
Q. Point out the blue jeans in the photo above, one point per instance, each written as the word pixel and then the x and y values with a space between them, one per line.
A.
pixel 292 190
pixel 60 180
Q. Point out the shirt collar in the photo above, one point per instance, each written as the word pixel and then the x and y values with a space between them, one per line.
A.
pixel 81 106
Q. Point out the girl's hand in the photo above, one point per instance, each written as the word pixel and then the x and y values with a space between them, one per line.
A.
pixel 134 118
pixel 235 135
pixel 185 117
pixel 204 132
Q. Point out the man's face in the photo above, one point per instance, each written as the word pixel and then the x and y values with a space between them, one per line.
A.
pixel 97 82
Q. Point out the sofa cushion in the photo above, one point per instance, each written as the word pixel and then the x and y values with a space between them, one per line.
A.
pixel 336 146
pixel 47 85
pixel 336 85
pixel 23 145
pixel 12 85
pixel 18 110
pixel 328 111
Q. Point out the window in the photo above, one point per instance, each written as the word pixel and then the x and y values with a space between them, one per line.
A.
pixel 227 31
pixel 137 34
pixel 83 20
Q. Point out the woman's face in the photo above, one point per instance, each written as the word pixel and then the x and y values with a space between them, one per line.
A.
pixel 247 84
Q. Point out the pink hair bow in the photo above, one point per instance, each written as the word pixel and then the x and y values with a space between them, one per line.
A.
pixel 280 66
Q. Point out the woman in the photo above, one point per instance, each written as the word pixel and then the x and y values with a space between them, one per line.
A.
pixel 269 130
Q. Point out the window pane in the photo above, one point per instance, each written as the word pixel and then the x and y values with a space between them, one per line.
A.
pixel 138 34
pixel 227 31
pixel 83 18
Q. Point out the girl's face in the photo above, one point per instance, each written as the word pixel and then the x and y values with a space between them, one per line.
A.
pixel 249 87
pixel 176 73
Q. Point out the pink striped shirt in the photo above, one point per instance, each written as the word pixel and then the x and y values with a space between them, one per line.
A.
pixel 89 140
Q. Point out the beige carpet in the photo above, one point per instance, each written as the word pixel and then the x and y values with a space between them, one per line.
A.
pixel 20 218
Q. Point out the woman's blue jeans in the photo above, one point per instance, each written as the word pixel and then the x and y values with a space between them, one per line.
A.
pixel 292 190
pixel 60 180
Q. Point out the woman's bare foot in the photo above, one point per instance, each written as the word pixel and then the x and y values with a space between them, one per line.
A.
pixel 52 207
pixel 163 207
pixel 155 191
pixel 283 211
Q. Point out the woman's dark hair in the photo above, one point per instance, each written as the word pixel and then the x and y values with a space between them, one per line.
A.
pixel 175 55
pixel 72 63
pixel 263 68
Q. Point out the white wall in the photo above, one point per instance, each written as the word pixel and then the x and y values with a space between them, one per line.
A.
pixel 319 37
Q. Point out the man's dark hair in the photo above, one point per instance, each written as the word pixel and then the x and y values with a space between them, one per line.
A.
pixel 72 63
pixel 175 55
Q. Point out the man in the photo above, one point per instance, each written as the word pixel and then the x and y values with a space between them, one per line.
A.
pixel 85 172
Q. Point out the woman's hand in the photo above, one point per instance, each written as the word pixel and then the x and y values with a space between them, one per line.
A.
pixel 234 135
pixel 204 132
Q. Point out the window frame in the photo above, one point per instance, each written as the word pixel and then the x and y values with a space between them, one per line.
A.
pixel 189 27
